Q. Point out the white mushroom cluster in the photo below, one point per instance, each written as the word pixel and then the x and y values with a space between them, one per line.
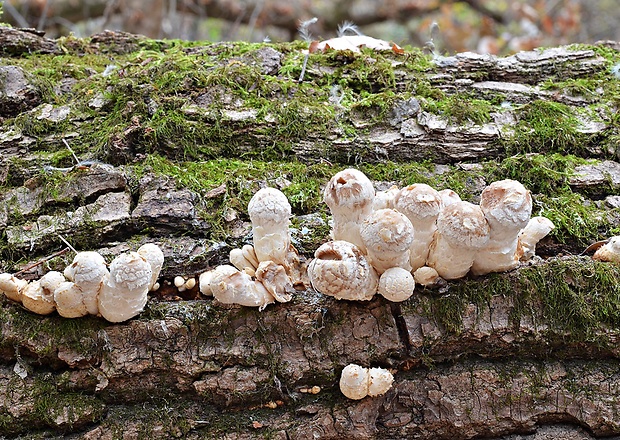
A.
pixel 357 382
pixel 264 273
pixel 390 240
pixel 88 287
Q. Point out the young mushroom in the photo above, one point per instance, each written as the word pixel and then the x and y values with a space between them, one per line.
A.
pixel 69 300
pixel 426 276
pixel 155 257
pixel 349 195
pixel 357 382
pixel 274 278
pixel 537 229
pixel 269 212
pixel 341 270
pixel 462 230
pixel 87 271
pixel 385 199
pixel 396 284
pixel 421 204
pixel 37 300
pixel 387 236
pixel 12 286
pixel 610 251
pixel 231 286
pixel 507 206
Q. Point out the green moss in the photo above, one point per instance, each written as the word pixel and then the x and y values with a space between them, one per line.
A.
pixel 460 108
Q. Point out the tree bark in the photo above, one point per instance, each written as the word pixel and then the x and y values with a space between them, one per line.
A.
pixel 524 354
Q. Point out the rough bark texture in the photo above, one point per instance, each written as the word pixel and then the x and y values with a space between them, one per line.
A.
pixel 531 354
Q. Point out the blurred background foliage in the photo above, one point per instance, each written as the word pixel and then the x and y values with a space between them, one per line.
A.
pixel 484 26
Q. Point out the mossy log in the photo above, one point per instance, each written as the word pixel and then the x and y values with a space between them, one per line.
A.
pixel 116 140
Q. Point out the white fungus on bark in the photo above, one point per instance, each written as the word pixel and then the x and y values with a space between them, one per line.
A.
pixel 12 286
pixel 87 271
pixel 70 300
pixel 537 229
pixel 37 300
pixel 232 286
pixel 610 251
pixel 155 257
pixel 396 284
pixel 270 213
pixel 426 276
pixel 357 382
pixel 274 278
pixel 341 270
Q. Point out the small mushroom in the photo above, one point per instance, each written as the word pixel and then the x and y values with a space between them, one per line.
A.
pixel 396 284
pixel 387 236
pixel 610 251
pixel 231 286
pixel 87 271
pixel 421 204
pixel 462 230
pixel 349 195
pixel 507 206
pixel 69 300
pixel 357 382
pixel 270 211
pixel 37 300
pixel 426 276
pixel 448 197
pixel 379 381
pixel 214 276
pixel 124 291
pixel 537 229
pixel 12 286
pixel 51 280
pixel 154 255
pixel 341 270
pixel 238 259
pixel 274 278
pixel 385 199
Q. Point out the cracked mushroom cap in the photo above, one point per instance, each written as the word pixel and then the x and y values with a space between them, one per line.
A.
pixel 463 224
pixel 387 235
pixel 87 271
pixel 419 202
pixel 12 286
pixel 379 381
pixel 38 300
pixel 507 205
pixel 69 300
pixel 610 251
pixel 349 190
pixel 154 255
pixel 274 278
pixel 354 381
pixel 396 284
pixel 269 207
pixel 339 269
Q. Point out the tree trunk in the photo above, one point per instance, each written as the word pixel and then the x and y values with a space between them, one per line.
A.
pixel 171 140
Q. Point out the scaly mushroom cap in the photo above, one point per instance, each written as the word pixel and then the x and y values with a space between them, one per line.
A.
pixel 448 197
pixel 537 229
pixel 130 271
pixel 87 271
pixel 426 276
pixel 396 284
pixel 387 235
pixel 269 207
pixel 70 300
pixel 240 288
pixel 610 251
pixel 463 224
pixel 347 191
pixel 507 206
pixel 154 255
pixel 340 270
pixel 12 286
pixel 354 381
pixel 419 202
pixel 37 300
pixel 380 381
pixel 274 278
pixel 51 280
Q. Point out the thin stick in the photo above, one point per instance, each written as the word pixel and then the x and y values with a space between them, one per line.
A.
pixel 77 161
pixel 67 243
pixel 43 260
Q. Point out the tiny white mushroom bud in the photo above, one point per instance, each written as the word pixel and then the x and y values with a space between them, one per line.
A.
pixel 339 269
pixel 610 251
pixel 396 284
pixel 12 286
pixel 125 291
pixel 448 197
pixel 426 276
pixel 274 278
pixel 87 271
pixel 179 281
pixel 154 255
pixel 421 204
pixel 387 236
pixel 461 231
pixel 270 211
pixel 69 300
pixel 385 199
pixel 380 381
pixel 354 381
pixel 349 195
pixel 190 283
pixel 37 300
pixel 507 206
pixel 537 229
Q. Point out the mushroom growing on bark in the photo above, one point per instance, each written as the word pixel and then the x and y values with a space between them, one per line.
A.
pixel 231 286
pixel 155 257
pixel 396 284
pixel 387 236
pixel 341 270
pixel 69 300
pixel 12 286
pixel 87 271
pixel 357 382
pixel 537 229
pixel 507 206
pixel 610 251
pixel 37 300
pixel 462 230
pixel 349 195
pixel 270 212
pixel 421 204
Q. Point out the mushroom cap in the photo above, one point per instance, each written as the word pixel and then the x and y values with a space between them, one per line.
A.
pixel 51 280
pixel 419 202
pixel 385 199
pixel 238 260
pixel 610 251
pixel 506 204
pixel 69 300
pixel 348 190
pixel 537 229
pixel 340 270
pixel 396 284
pixel 154 255
pixel 379 381
pixel 38 300
pixel 130 271
pixel 426 276
pixel 354 381
pixel 387 230
pixel 274 278
pixel 269 206
pixel 12 286
pixel 87 268
pixel 118 304
pixel 463 224
pixel 239 288
pixel 448 197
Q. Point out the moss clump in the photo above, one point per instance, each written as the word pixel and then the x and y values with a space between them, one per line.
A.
pixel 461 108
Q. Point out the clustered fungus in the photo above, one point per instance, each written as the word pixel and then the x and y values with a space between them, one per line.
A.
pixel 357 382
pixel 87 287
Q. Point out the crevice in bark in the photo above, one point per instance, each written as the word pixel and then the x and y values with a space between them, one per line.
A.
pixel 401 326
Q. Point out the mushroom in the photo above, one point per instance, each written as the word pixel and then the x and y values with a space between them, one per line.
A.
pixel 124 291
pixel 421 204
pixel 385 199
pixel 51 280
pixel 239 259
pixel 387 236
pixel 610 251
pixel 341 270
pixel 154 255
pixel 357 382
pixel 215 275
pixel 426 276
pixel 231 286
pixel 448 197
pixel 269 212
pixel 396 284
pixel 12 286
pixel 37 300
pixel 69 300
pixel 507 206
pixel 537 229
pixel 87 271
pixel 349 195
pixel 274 278
pixel 462 230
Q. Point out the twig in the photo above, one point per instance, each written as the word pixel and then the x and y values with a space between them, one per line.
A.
pixel 77 161
pixel 43 260
pixel 67 243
